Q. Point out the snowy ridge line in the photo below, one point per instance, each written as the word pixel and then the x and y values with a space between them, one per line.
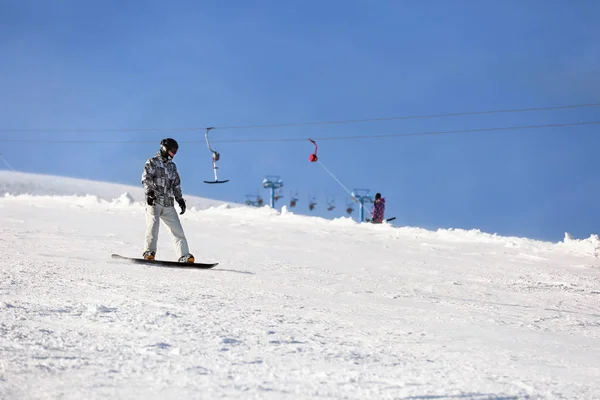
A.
pixel 126 199
pixel 46 189
pixel 20 183
pixel 266 215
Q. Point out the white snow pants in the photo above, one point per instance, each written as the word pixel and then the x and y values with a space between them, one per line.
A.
pixel 170 217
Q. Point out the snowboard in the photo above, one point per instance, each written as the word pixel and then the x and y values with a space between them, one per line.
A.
pixel 164 263
pixel 387 220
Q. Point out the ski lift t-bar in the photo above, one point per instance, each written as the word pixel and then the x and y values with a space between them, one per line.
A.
pixel 215 157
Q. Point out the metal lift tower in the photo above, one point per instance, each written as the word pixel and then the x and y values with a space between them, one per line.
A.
pixel 272 182
pixel 362 196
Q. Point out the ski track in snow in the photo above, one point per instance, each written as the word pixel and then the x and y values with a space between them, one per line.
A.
pixel 298 307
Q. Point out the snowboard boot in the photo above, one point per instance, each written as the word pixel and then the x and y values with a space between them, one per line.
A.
pixel 186 259
pixel 148 255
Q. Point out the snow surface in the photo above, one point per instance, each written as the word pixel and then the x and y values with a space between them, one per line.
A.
pixel 298 308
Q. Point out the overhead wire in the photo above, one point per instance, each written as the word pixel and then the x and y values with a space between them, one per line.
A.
pixel 6 162
pixel 299 124
pixel 330 138
pixel 425 116
pixel 380 136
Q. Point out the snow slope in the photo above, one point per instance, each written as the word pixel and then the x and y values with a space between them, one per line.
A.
pixel 298 308
pixel 19 183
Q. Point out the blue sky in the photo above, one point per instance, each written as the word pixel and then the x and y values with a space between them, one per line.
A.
pixel 156 64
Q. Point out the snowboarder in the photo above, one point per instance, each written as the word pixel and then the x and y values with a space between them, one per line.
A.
pixel 377 215
pixel 162 185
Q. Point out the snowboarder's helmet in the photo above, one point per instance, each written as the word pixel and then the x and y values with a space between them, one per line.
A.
pixel 168 145
pixel 377 196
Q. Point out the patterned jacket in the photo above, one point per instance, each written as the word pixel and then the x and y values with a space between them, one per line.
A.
pixel 160 176
pixel 378 210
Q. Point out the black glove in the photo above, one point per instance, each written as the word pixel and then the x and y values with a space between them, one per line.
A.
pixel 150 197
pixel 181 203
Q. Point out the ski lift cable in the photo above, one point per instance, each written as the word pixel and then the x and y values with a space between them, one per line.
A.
pixel 336 179
pixel 6 163
pixel 332 122
pixel 313 158
pixel 391 135
pixel 481 130
pixel 424 116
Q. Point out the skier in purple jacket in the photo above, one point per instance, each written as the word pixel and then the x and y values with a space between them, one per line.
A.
pixel 377 215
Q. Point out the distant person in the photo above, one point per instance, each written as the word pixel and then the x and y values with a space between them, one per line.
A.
pixel 377 215
pixel 162 186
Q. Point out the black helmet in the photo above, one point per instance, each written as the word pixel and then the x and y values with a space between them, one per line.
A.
pixel 168 145
pixel 377 196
